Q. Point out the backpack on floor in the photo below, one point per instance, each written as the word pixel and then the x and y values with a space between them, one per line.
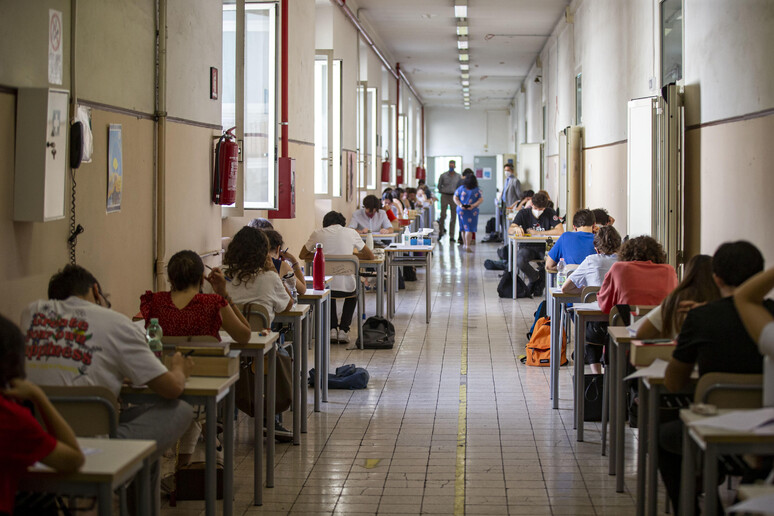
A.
pixel 502 252
pixel 378 333
pixel 539 346
pixel 409 273
pixel 491 224
pixel 345 377
pixel 539 313
pixel 505 287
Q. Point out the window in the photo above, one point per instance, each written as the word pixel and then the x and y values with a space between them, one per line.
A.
pixel 388 135
pixel 327 124
pixel 254 104
pixel 361 135
pixel 578 104
pixel 671 41
pixel 371 156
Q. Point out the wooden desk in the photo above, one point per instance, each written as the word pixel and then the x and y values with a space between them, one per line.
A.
pixel 558 300
pixel 113 464
pixel 514 242
pixel 714 442
pixel 393 260
pixel 584 313
pixel 259 346
pixel 309 279
pixel 297 317
pixel 320 301
pixel 207 391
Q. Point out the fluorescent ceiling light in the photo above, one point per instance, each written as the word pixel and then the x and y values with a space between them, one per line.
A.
pixel 464 75
pixel 462 28
pixel 464 58
pixel 465 83
pixel 462 43
pixel 460 8
pixel 464 67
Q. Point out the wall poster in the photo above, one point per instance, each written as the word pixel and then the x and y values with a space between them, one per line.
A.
pixel 115 171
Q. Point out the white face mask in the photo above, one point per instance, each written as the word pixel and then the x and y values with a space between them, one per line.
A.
pixel 537 213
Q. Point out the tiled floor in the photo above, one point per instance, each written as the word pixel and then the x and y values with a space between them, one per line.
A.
pixel 439 429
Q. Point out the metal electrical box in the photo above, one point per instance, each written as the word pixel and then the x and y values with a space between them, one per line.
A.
pixel 41 155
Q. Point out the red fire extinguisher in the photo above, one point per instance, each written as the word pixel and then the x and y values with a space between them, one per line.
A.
pixel 224 182
pixel 420 173
pixel 399 171
pixel 386 168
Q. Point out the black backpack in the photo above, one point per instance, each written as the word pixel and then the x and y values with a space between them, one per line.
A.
pixel 505 287
pixel 378 333
pixel 491 224
pixel 346 377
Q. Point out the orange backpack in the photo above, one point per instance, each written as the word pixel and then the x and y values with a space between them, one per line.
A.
pixel 539 345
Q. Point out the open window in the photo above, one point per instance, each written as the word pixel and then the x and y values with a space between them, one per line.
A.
pixel 327 124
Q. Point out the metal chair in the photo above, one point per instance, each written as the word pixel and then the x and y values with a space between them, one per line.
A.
pixel 348 265
pixel 730 390
pixel 589 294
pixel 257 315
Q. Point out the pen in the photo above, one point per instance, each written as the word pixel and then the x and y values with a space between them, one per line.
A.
pixel 226 277
pixel 189 353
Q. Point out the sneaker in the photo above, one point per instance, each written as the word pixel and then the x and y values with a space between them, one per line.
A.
pixel 343 337
pixel 334 336
pixel 282 434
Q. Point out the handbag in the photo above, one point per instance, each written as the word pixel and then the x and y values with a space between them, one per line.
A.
pixel 592 397
pixel 245 386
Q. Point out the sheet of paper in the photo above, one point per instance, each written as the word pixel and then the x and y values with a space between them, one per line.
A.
pixel 758 505
pixel 586 306
pixel 758 421
pixel 655 370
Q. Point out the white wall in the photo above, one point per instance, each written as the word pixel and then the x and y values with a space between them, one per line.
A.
pixel 452 132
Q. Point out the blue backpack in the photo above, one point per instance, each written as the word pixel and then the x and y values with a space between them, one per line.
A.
pixel 345 377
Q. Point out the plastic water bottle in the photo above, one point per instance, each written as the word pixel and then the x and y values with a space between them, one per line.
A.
pixel 406 237
pixel 290 281
pixel 153 336
pixel 318 264
pixel 561 275
pixel 370 241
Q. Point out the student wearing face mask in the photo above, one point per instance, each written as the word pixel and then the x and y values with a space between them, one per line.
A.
pixel 370 217
pixel 537 219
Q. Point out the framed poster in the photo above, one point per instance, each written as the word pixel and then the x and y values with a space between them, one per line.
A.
pixel 115 169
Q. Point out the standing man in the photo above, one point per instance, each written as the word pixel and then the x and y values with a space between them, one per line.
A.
pixel 512 187
pixel 447 185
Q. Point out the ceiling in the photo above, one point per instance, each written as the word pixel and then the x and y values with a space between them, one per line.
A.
pixel 505 37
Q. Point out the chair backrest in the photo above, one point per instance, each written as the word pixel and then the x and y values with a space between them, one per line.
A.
pixel 257 315
pixel 589 294
pixel 730 390
pixel 616 319
pixel 90 410
pixel 342 265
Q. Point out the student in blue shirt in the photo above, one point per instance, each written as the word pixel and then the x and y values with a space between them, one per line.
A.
pixel 574 246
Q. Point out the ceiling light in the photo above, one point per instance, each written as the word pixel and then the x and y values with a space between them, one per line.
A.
pixel 462 28
pixel 464 67
pixel 465 89
pixel 460 8
pixel 464 57
pixel 465 75
pixel 462 43
pixel 465 83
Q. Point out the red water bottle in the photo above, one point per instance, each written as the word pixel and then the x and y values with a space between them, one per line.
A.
pixel 318 268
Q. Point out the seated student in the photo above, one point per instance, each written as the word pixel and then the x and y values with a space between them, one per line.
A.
pixel 185 310
pixel 540 219
pixel 411 197
pixel 399 202
pixel 602 218
pixel 713 337
pixel 390 209
pixel 697 285
pixel 253 277
pixel 25 442
pixel 591 273
pixel 370 218
pixel 261 223
pixel 338 240
pixel 286 265
pixel 759 323
pixel 574 246
pixel 525 201
pixel 107 349
pixel 424 194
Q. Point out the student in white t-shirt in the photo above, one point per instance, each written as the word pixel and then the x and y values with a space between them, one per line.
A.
pixel 74 338
pixel 697 285
pixel 759 323
pixel 253 277
pixel 338 240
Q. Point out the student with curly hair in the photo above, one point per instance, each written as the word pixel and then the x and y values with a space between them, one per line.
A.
pixel 254 279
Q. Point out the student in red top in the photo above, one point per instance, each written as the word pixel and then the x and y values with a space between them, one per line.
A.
pixel 25 442
pixel 640 277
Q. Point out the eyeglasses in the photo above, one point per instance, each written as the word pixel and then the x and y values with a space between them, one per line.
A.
pixel 104 299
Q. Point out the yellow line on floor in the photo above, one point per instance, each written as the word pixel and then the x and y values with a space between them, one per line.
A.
pixel 462 417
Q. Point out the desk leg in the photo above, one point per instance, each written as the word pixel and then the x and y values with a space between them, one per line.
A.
pixel 654 401
pixel 210 466
pixel 147 505
pixel 621 412
pixel 580 338
pixel 318 347
pixel 688 479
pixel 380 289
pixel 258 430
pixel 428 294
pixel 390 288
pixel 271 408
pixel 710 480
pixel 556 352
pixel 228 453
pixel 642 446
pixel 326 352
pixel 105 500
pixel 304 386
pixel 298 348
pixel 515 269
pixel 612 403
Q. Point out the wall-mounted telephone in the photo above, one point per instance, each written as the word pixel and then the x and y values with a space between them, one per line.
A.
pixel 226 165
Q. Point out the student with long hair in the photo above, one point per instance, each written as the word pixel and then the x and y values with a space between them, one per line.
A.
pixel 666 319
